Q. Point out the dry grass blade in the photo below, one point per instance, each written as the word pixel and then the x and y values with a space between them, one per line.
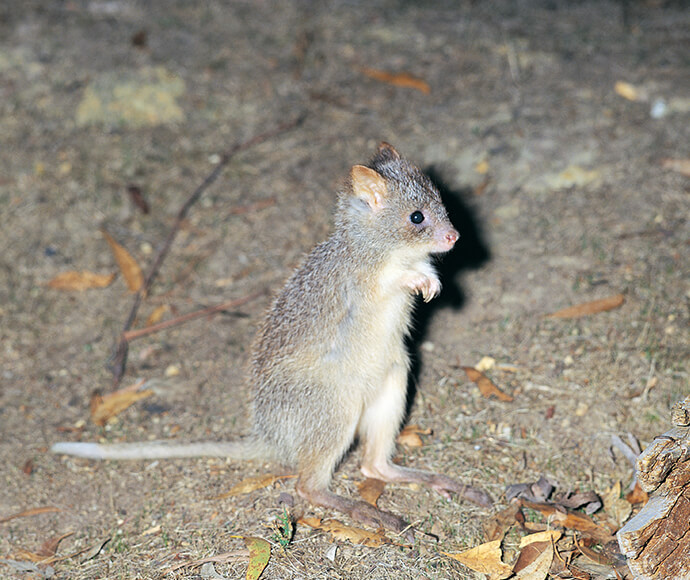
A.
pixel 30 512
pixel 588 308
pixel 224 558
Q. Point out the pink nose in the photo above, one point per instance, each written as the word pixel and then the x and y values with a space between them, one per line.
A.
pixel 452 237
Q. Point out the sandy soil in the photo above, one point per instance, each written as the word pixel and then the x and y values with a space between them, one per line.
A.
pixel 557 183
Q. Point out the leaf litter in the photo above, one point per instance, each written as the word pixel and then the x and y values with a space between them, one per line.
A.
pixel 567 543
pixel 131 271
pixel 105 407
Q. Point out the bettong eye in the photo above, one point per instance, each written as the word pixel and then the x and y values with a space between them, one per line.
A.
pixel 416 217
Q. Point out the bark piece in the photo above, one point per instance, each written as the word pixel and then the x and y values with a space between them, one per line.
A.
pixel 656 541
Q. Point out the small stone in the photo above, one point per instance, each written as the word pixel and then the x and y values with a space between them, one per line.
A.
pixel 172 371
pixel 428 346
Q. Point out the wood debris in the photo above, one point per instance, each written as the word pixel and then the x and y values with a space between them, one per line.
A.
pixel 656 541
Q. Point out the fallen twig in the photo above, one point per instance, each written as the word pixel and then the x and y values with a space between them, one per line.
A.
pixel 119 358
pixel 130 335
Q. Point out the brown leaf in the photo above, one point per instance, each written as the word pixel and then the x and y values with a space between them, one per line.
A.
pixel 589 499
pixel 128 265
pixel 497 526
pixel 50 546
pixel 340 531
pixel 30 512
pixel 587 308
pixel 73 280
pixel 486 387
pixel 617 508
pixel 371 489
pixel 28 467
pixel 403 79
pixel 603 557
pixel 252 484
pixel 157 314
pixel 485 559
pixel 571 520
pixel 681 166
pixel 637 495
pixel 108 406
pixel 545 536
pixel 410 436
pixel 535 558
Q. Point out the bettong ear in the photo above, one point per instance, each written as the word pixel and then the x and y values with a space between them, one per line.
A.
pixel 369 186
pixel 387 150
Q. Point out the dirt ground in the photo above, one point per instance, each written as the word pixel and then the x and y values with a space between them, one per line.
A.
pixel 557 178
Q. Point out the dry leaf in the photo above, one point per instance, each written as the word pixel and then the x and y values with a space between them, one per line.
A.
pixel 571 520
pixel 371 489
pixel 486 387
pixel 252 484
pixel 157 314
pixel 497 526
pixel 681 166
pixel 485 559
pixel 602 557
pixel 616 507
pixel 587 308
pixel 410 436
pixel 108 406
pixel 340 531
pixel 405 80
pixel 49 547
pixel 128 265
pixel 259 554
pixel 627 91
pixel 30 512
pixel 637 495
pixel 28 467
pixel 73 280
pixel 545 536
pixel 534 560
